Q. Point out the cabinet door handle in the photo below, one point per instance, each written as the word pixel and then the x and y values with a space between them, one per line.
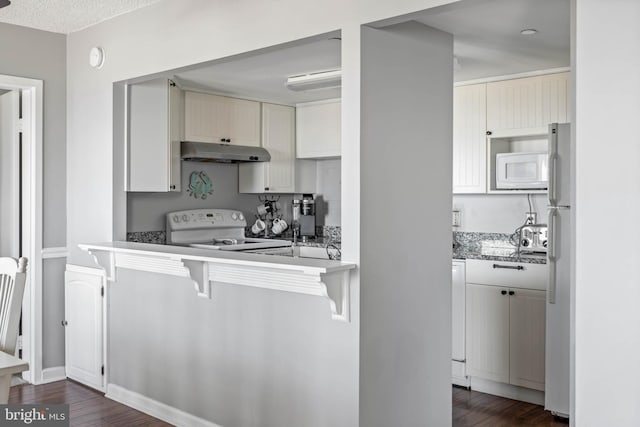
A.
pixel 510 267
pixel 64 323
pixel 511 293
pixel 222 140
pixel 503 292
pixel 489 133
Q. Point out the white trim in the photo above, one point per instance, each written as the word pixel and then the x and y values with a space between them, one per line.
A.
pixel 57 252
pixel 154 408
pixel 50 375
pixel 514 76
pixel 32 109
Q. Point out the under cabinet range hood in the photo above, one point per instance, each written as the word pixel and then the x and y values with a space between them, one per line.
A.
pixel 223 153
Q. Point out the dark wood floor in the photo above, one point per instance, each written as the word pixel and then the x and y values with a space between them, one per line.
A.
pixel 472 408
pixel 87 407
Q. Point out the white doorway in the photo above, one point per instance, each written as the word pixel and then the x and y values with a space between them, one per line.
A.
pixel 22 130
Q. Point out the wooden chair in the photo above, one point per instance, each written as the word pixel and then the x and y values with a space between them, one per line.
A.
pixel 13 274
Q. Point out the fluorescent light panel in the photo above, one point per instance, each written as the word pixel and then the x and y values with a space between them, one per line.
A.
pixel 315 81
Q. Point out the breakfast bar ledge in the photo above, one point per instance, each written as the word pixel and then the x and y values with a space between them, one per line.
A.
pixel 324 278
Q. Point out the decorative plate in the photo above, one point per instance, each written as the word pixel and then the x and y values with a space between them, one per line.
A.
pixel 200 185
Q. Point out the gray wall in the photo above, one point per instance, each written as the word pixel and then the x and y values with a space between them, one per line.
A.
pixel 35 54
pixel 406 158
pixel 248 357
pixel 145 211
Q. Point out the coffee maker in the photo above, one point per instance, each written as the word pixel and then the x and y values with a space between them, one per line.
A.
pixel 304 217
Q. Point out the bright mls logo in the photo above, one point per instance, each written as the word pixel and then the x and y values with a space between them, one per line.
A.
pixel 34 415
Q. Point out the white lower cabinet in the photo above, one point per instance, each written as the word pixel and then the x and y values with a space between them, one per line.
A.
pixel 488 332
pixel 84 315
pixel 527 338
pixel 458 353
pixel 505 323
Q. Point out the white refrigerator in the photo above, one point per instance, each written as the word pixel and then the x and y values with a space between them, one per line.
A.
pixel 560 262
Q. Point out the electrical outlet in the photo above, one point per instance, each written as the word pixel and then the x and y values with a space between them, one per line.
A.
pixel 456 219
pixel 532 218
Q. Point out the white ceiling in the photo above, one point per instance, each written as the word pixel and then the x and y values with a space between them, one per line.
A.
pixel 66 16
pixel 261 76
pixel 487 39
pixel 487 43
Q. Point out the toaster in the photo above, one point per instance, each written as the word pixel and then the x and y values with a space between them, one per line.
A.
pixel 533 238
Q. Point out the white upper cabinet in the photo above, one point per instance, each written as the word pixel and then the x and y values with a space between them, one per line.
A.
pixel 526 106
pixel 503 116
pixel 213 118
pixel 282 174
pixel 469 140
pixel 155 126
pixel 318 130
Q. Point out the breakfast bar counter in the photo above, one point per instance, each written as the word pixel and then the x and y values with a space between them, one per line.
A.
pixel 324 278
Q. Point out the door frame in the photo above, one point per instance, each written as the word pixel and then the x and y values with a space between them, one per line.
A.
pixel 32 212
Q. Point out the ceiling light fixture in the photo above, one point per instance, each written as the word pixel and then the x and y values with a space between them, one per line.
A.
pixel 528 32
pixel 4 3
pixel 314 81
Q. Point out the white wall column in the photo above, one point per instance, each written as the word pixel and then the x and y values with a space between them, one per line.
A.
pixel 607 289
pixel 405 155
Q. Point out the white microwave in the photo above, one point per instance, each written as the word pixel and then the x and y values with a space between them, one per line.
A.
pixel 522 171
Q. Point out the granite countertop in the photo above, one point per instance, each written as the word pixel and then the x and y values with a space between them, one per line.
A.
pixel 492 249
pixel 318 242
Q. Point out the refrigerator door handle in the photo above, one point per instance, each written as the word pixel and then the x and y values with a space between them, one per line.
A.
pixel 553 169
pixel 551 256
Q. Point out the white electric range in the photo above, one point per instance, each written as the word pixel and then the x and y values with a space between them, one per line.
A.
pixel 218 229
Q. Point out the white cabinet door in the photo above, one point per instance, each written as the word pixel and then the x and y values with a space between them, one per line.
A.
pixel 278 138
pixel 244 122
pixel 84 326
pixel 213 118
pixel 527 338
pixel 155 129
pixel 283 174
pixel 318 130
pixel 488 332
pixel 206 117
pixel 469 139
pixel 526 106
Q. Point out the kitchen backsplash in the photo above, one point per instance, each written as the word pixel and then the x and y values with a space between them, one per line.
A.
pixel 330 233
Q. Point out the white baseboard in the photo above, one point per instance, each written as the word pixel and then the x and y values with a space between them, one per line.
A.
pixel 154 408
pixel 507 390
pixel 50 375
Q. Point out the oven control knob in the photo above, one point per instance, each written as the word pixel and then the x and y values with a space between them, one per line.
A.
pixel 544 243
pixel 176 218
pixel 241 217
pixel 525 242
pixel 234 216
pixel 185 217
